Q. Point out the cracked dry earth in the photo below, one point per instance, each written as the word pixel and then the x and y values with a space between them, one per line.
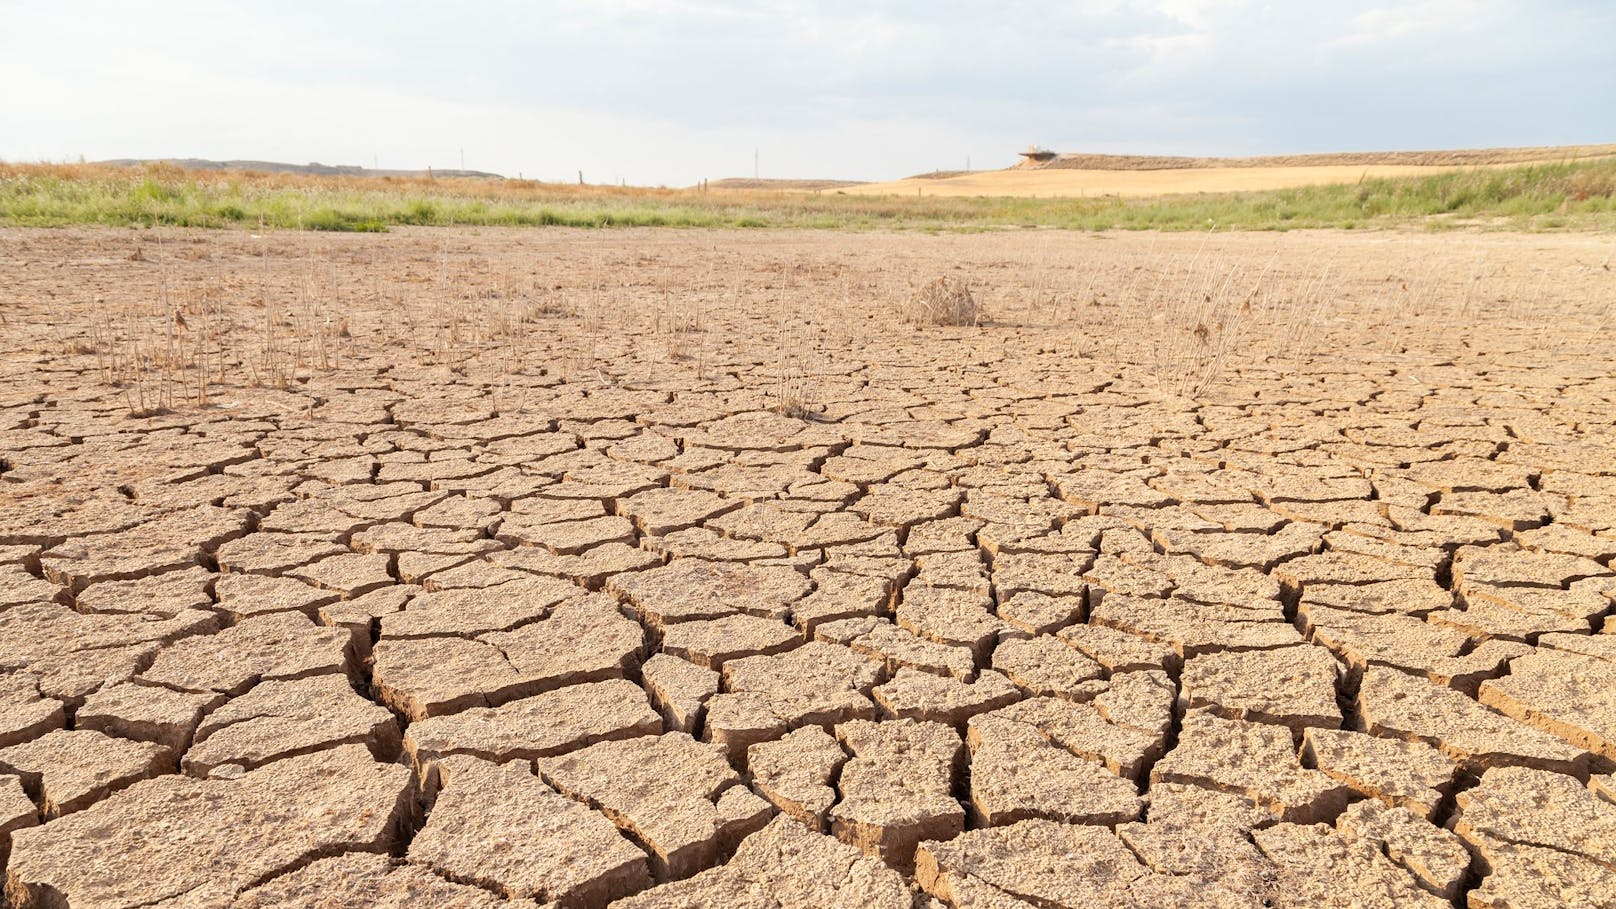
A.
pixel 568 614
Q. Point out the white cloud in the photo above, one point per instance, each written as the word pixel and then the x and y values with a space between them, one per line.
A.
pixel 1396 24
pixel 671 91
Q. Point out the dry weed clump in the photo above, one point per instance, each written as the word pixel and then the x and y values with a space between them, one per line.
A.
pixel 161 352
pixel 795 374
pixel 945 301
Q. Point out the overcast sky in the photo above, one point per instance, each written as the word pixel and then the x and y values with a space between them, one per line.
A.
pixel 671 91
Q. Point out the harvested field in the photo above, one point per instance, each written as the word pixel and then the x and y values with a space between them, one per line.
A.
pixel 678 568
pixel 1143 176
pixel 1077 183
pixel 1464 157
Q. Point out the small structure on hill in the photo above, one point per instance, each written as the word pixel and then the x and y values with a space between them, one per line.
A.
pixel 1036 154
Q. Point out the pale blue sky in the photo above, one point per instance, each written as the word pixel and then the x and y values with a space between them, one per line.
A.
pixel 671 92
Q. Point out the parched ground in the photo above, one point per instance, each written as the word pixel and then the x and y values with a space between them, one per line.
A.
pixel 662 569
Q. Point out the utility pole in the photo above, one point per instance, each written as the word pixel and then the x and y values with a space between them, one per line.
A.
pixel 754 164
pixel 967 163
pixel 462 157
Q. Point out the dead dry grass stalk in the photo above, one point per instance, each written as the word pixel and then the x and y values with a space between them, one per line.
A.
pixel 1207 316
pixel 795 373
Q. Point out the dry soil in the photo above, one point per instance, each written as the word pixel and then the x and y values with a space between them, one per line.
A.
pixel 665 569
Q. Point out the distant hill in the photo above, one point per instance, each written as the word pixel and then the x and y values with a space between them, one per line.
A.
pixel 770 183
pixel 316 169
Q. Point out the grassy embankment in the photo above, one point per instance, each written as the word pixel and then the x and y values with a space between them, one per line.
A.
pixel 1576 195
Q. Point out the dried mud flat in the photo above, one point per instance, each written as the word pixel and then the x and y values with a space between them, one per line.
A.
pixel 670 569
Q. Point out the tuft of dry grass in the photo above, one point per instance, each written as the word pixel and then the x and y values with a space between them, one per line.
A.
pixel 944 301
pixel 795 381
pixel 1206 314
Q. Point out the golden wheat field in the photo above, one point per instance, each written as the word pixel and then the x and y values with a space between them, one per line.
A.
pixel 1141 176
pixel 673 568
